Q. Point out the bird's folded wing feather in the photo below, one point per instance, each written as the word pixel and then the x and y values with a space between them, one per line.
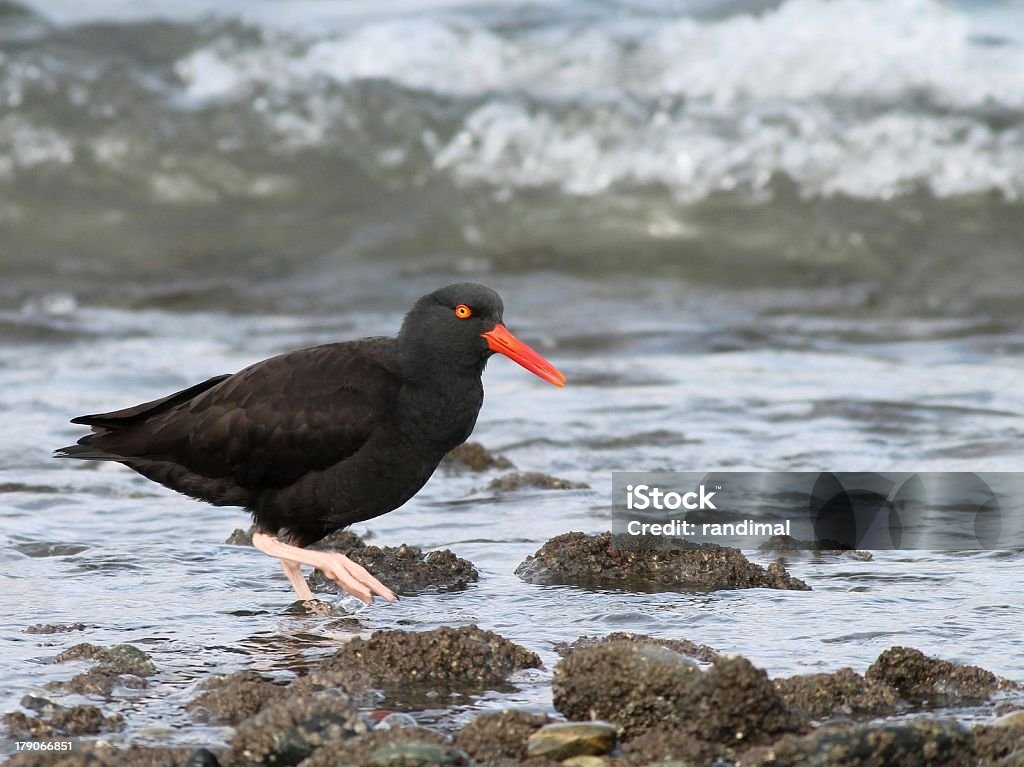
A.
pixel 272 422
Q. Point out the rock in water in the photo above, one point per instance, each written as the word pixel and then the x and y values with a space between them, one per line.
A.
pixel 412 665
pixel 475 457
pixel 596 560
pixel 920 679
pixel 843 693
pixel 406 569
pixel 499 735
pixel 633 686
pixel 639 687
pixel 285 733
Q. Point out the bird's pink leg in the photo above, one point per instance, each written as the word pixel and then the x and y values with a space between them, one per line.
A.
pixel 294 574
pixel 352 577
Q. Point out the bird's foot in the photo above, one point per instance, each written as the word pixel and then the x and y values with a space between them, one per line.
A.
pixel 349 575
pixel 353 577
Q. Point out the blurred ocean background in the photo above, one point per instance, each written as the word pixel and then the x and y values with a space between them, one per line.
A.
pixel 754 235
pixel 807 144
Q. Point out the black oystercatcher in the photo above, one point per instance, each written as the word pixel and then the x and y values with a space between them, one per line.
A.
pixel 314 440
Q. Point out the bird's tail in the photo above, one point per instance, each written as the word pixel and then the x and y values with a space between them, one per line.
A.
pixel 109 424
pixel 85 452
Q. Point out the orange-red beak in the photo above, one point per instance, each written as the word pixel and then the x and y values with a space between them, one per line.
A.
pixel 501 341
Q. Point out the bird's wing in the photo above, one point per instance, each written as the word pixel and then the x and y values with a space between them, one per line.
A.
pixel 269 424
pixel 119 419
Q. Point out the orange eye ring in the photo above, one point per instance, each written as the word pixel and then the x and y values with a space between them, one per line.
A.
pixel 463 312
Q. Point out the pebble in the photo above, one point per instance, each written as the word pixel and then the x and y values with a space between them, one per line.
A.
pixel 564 740
pixel 585 761
pixel 415 755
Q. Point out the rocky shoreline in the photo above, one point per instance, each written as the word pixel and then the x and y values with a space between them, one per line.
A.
pixel 627 701
pixel 621 700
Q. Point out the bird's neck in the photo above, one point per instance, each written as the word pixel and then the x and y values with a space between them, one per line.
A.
pixel 436 365
pixel 440 401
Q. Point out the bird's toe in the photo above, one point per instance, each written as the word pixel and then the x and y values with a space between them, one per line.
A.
pixel 358 581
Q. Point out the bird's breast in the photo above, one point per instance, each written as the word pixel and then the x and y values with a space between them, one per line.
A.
pixel 440 417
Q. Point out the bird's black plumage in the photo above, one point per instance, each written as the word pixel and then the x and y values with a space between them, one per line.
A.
pixel 313 440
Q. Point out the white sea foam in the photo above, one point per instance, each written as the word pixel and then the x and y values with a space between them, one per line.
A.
pixel 507 143
pixel 844 97
pixel 24 144
pixel 802 50
pixel 845 48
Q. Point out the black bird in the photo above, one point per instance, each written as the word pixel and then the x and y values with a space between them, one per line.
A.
pixel 314 440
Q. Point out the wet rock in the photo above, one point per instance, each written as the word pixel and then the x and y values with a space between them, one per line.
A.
pixel 54 628
pixel 318 608
pixel 202 757
pixel 102 754
pixel 121 665
pixel 666 746
pixel 595 560
pixel 352 682
pixel 288 731
pixel 737 703
pixel 344 541
pixel 682 646
pixel 564 740
pixel 99 682
pixel 83 720
pixel 778 578
pixel 406 570
pixel 43 706
pixel 919 743
pixel 920 679
pixel 845 693
pixel 119 659
pixel 584 761
pixel 475 457
pixel 634 686
pixel 232 698
pixel 441 660
pixel 402 747
pixel 500 735
pixel 241 537
pixel 60 721
pixel 416 755
pixel 1000 740
pixel 518 480
pixel 639 687
pixel 788 545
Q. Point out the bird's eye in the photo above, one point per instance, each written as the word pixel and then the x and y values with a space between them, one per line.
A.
pixel 463 312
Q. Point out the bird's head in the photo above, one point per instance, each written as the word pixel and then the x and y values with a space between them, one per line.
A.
pixel 461 326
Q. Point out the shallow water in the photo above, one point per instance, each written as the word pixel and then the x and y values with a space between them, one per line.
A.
pixel 789 301
pixel 152 569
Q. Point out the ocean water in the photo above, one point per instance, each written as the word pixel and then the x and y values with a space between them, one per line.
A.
pixel 754 235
